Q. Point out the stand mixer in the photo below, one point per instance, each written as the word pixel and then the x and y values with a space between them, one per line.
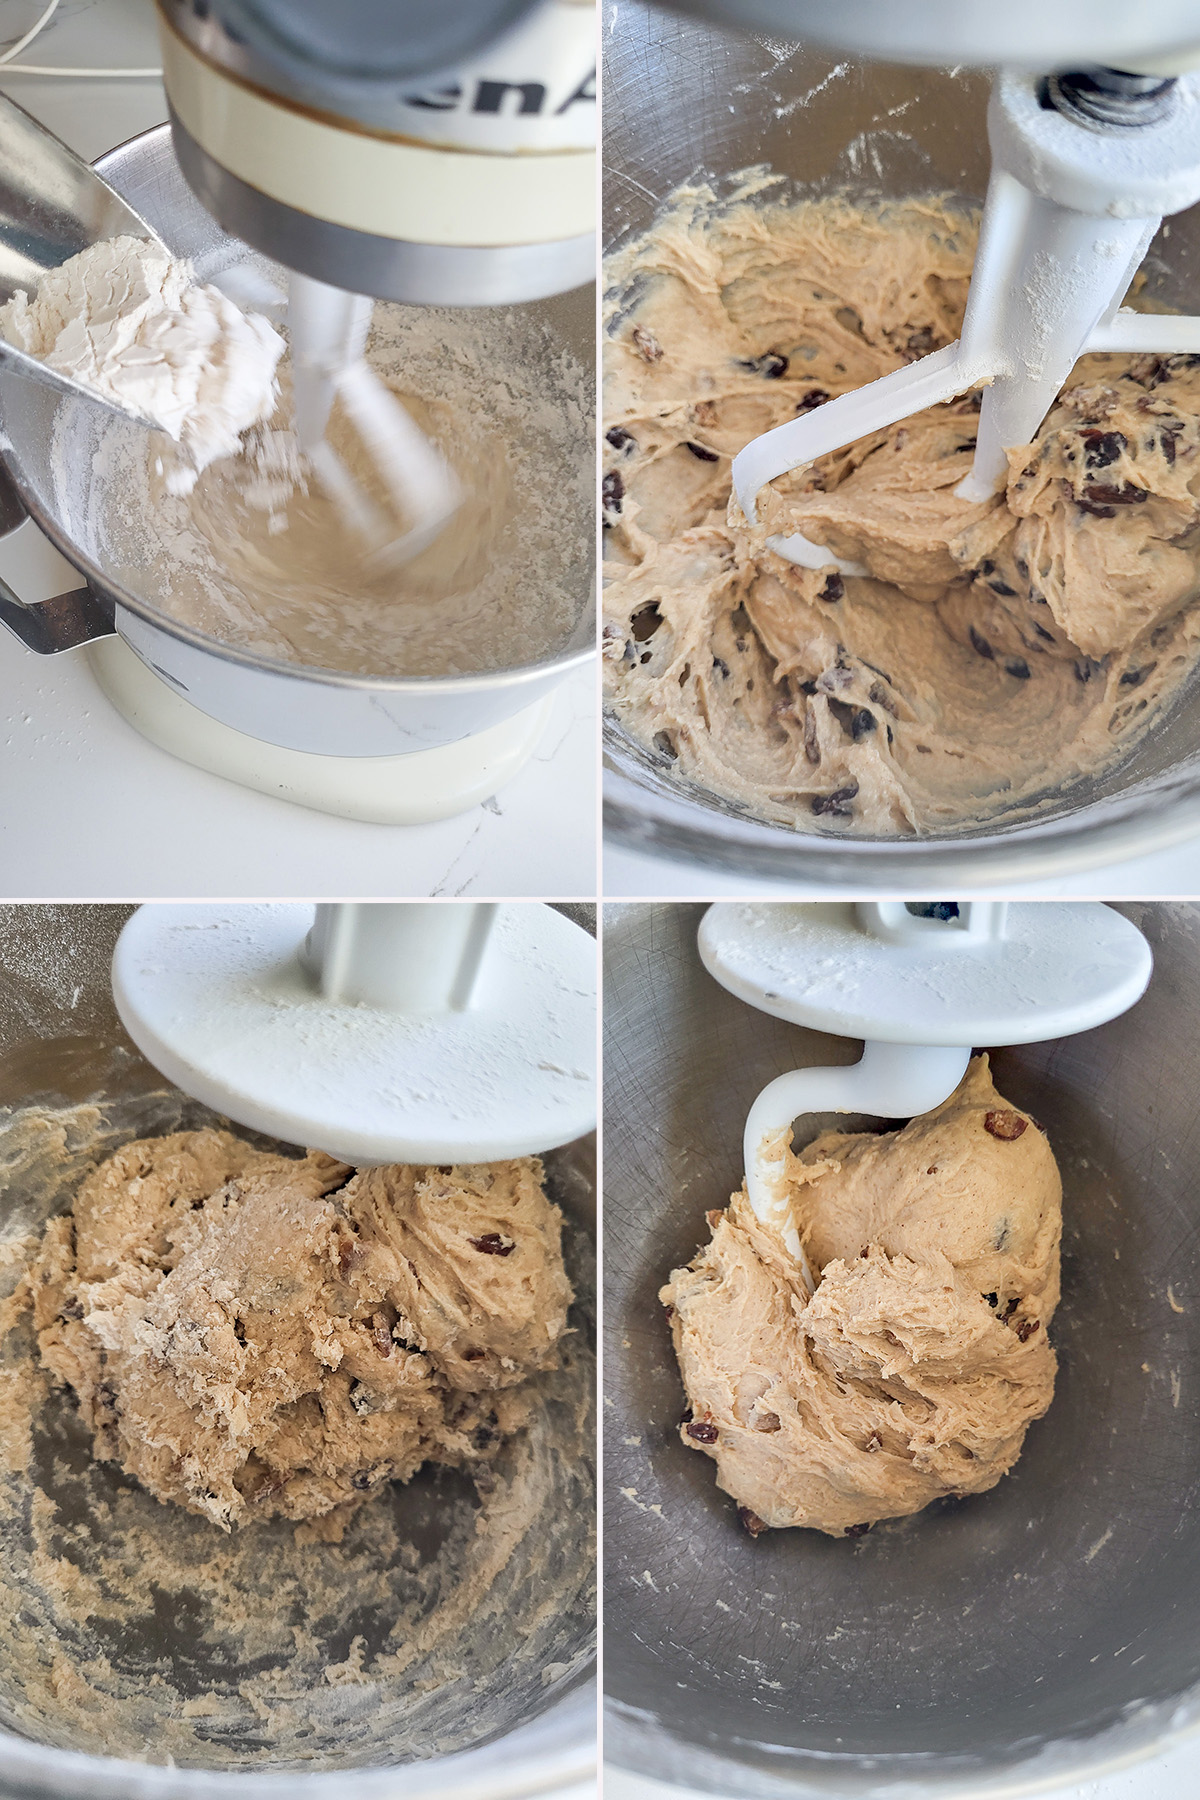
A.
pixel 504 216
pixel 977 1649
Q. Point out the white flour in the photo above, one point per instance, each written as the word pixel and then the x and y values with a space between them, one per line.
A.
pixel 129 321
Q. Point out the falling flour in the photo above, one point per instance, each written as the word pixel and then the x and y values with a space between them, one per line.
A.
pixel 130 321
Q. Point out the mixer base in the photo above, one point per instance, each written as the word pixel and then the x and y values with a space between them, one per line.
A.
pixel 381 790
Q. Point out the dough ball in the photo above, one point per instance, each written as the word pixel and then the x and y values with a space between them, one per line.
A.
pixel 917 1365
pixel 252 1335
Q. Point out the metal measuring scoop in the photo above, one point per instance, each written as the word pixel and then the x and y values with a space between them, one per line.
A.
pixel 52 206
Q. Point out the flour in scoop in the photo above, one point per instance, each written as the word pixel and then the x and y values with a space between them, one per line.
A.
pixel 129 320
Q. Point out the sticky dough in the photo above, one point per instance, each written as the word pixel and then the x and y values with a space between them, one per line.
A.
pixel 250 1335
pixel 995 653
pixel 917 1365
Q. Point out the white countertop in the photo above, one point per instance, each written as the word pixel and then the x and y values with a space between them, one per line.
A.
pixel 90 810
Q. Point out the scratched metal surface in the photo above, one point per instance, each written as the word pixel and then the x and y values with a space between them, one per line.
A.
pixel 1034 1632
pixel 682 100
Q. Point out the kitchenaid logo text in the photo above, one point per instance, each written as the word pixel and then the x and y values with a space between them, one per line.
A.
pixel 509 99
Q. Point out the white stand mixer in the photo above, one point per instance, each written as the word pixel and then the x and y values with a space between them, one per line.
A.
pixel 921 983
pixel 408 1032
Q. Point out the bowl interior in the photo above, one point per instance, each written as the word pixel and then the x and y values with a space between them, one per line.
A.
pixel 446 1619
pixel 720 103
pixel 1047 1624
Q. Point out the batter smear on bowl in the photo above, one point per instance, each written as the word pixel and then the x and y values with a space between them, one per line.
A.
pixel 915 1368
pixel 994 653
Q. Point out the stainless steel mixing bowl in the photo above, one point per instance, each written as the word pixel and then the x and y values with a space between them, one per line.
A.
pixel 293 705
pixel 1040 1632
pixel 61 1044
pixel 681 99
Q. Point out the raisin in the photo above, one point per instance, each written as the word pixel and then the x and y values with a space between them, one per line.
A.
pixel 646 344
pixel 834 587
pixel 836 805
pixel 1134 677
pixel 993 1300
pixel 493 1243
pixel 1026 1329
pixel 856 1531
pixel 751 1521
pixel 1005 1124
pixel 1167 444
pixel 772 364
pixel 981 646
pixel 1106 493
pixel 702 1431
pixel 814 397
pixel 1010 1309
pixel 1103 447
pixel 644 623
pixel 1016 665
pixel 704 454
pixel 612 490
pixel 620 439
pixel 857 722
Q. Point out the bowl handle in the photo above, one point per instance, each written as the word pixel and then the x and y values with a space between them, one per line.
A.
pixel 47 626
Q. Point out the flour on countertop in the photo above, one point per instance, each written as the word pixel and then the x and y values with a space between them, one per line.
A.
pixel 129 320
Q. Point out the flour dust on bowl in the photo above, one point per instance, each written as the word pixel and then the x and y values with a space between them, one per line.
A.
pixel 247 613
pixel 722 767
pixel 1038 1632
pixel 442 1644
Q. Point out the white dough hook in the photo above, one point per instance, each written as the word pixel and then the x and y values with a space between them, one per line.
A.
pixel 920 983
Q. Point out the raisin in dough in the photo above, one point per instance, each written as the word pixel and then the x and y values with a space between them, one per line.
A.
pixel 251 1335
pixel 917 1365
pixel 993 654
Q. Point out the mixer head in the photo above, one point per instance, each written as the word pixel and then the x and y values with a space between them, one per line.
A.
pixel 920 983
pixel 437 155
pixel 380 1033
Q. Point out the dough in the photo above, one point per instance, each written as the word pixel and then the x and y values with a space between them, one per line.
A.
pixel 996 653
pixel 130 321
pixel 921 1358
pixel 251 1335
